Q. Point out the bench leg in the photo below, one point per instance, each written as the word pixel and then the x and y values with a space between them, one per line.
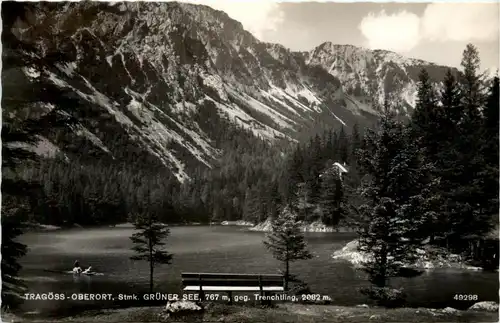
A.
pixel 230 295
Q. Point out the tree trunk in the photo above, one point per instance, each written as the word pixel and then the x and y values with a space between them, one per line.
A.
pixel 382 279
pixel 151 267
pixel 287 271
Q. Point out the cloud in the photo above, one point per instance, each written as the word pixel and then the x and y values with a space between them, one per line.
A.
pixel 398 32
pixel 257 16
pixel 440 22
pixel 460 22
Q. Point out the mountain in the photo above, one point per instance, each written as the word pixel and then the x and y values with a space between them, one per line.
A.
pixel 157 83
pixel 368 77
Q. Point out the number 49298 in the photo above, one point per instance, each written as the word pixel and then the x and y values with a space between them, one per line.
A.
pixel 466 297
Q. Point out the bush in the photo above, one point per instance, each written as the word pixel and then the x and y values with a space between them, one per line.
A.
pixel 385 296
pixel 297 286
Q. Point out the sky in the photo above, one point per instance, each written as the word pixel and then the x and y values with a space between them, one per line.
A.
pixel 436 32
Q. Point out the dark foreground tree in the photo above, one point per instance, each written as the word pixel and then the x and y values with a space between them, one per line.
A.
pixel 430 129
pixel 395 206
pixel 23 121
pixel 12 286
pixel 150 237
pixel 490 149
pixel 16 206
pixel 286 241
pixel 465 197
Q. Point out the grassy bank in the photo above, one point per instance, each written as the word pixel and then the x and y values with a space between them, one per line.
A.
pixel 289 313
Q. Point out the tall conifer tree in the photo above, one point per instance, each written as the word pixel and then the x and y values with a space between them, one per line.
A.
pixel 395 201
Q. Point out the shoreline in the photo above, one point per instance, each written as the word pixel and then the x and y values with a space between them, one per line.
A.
pixel 313 227
pixel 430 258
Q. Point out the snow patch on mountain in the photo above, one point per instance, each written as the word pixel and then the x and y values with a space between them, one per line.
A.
pixel 42 147
pixel 269 95
pixel 310 96
pixel 46 148
pixel 277 117
pixel 294 92
pixel 241 118
pixel 31 72
pixel 84 132
pixel 279 92
pixel 67 68
pixel 125 67
pixel 340 120
pixel 109 59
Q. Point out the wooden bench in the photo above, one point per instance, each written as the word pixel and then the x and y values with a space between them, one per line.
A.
pixel 206 282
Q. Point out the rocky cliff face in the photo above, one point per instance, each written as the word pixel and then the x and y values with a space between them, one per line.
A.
pixel 368 77
pixel 154 78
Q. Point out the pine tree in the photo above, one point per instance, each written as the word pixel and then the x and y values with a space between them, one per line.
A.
pixel 356 143
pixel 314 169
pixel 294 175
pixel 286 242
pixel 428 129
pixel 426 117
pixel 469 211
pixel 274 200
pixel 490 151
pixel 150 236
pixel 395 202
pixel 333 201
pixel 450 100
pixel 443 136
pixel 343 146
pixel 13 215
pixel 251 211
pixel 18 96
pixel 491 112
pixel 472 83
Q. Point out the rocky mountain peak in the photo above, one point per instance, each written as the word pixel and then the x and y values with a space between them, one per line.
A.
pixel 371 76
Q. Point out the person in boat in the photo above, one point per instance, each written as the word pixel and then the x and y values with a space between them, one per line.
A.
pixel 76 268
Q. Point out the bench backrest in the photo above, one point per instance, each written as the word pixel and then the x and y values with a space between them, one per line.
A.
pixel 250 280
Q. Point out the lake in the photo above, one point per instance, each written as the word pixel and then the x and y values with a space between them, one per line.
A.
pixel 216 249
